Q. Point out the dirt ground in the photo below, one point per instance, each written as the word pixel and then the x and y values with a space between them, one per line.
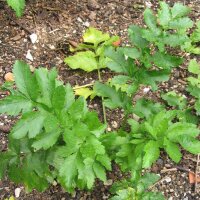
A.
pixel 56 22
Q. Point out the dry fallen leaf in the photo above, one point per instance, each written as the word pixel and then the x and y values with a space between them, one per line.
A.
pixel 192 178
pixel 9 77
pixel 116 43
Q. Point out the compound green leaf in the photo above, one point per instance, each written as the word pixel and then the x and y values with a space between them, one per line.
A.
pixel 68 172
pixel 152 153
pixel 150 20
pixel 99 171
pixel 105 161
pixel 46 140
pixel 146 181
pixel 190 144
pixel 69 98
pixel 175 40
pixel 194 67
pixel 197 106
pixel 173 150
pixel 179 129
pixel 46 83
pixel 13 105
pixel 179 10
pixel 118 63
pixel 58 98
pixel 135 35
pixel 152 77
pixel 4 160
pixel 17 5
pixel 82 60
pixel 196 34
pixel 153 196
pixel 114 98
pixel 181 24
pixel 132 52
pixel 174 99
pixel 95 36
pixel 146 108
pixel 164 15
pixel 31 123
pixel 25 81
pixel 84 92
pixel 166 61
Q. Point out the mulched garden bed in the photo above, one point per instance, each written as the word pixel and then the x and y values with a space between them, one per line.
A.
pixel 56 23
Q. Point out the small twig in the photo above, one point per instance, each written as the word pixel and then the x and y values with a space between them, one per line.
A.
pixel 196 172
pixel 174 169
pixel 168 170
pixel 83 86
pixel 52 9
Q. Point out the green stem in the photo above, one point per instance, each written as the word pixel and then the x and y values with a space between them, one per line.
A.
pixel 124 121
pixel 102 98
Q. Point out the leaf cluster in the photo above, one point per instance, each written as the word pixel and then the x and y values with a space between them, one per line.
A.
pixel 170 27
pixel 140 147
pixel 194 83
pixel 56 137
pixel 133 190
pixel 90 54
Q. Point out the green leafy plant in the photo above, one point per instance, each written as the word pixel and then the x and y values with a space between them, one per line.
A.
pixel 179 102
pixel 194 83
pixel 17 5
pixel 170 28
pixel 90 54
pixel 56 137
pixel 140 148
pixel 136 190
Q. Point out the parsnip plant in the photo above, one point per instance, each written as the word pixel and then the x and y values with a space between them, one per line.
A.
pixel 56 136
pixel 136 189
pixel 170 27
pixel 90 54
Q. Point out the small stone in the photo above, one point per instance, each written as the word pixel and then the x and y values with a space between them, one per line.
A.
pixel 93 4
pixel 160 161
pixel 108 182
pixel 168 179
pixel 29 56
pixel 55 183
pixel 87 24
pixel 79 19
pixel 17 192
pixel 33 38
pixel 9 77
pixel 114 124
pixel 146 90
pixel 176 74
pixel 148 4
pixel 109 129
